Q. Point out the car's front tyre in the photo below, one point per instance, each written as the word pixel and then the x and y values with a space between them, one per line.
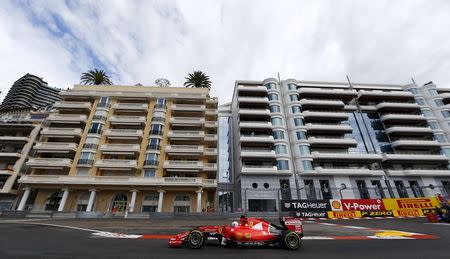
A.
pixel 196 239
pixel 291 240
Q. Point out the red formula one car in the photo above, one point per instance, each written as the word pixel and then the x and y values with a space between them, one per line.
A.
pixel 249 231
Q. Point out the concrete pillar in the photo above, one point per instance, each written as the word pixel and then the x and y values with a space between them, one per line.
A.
pixel 63 200
pixel 160 200
pixel 199 200
pixel 91 200
pixel 24 199
pixel 133 200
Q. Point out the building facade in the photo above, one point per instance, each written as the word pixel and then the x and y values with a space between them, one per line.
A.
pixel 125 148
pixel 323 140
pixel 29 93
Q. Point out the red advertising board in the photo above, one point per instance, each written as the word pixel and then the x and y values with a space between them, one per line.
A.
pixel 357 205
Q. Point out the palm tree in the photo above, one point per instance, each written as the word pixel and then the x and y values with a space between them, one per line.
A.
pixel 198 79
pixel 95 77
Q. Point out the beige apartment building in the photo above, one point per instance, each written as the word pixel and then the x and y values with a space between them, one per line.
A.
pixel 118 148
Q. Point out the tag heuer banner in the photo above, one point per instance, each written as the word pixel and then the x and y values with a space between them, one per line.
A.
pixel 305 205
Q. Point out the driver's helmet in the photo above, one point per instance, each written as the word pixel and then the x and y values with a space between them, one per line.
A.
pixel 234 224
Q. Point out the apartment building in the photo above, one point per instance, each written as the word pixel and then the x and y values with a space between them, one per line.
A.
pixel 29 92
pixel 118 148
pixel 18 132
pixel 323 140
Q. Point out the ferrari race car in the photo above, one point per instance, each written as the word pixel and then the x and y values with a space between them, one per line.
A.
pixel 248 232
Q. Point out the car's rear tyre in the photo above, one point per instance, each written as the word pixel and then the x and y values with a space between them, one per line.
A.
pixel 291 240
pixel 196 239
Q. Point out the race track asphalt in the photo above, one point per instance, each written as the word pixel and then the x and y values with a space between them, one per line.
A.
pixel 23 240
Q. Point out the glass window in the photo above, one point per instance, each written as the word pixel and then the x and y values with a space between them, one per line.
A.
pixel 159 114
pixel 292 86
pixel 96 128
pixel 151 157
pixel 445 114
pixel 307 165
pixel 278 134
pixel 301 135
pixel 432 92
pixel 280 149
pixel 282 164
pixel 271 86
pixel 293 97
pixel 277 121
pixel 304 150
pixel 440 138
pixel 433 125
pixel 445 152
pixel 149 173
pixel 439 102
pixel 420 101
pixel 273 97
pixel 298 122
pixel 154 143
pixel 427 113
pixel 161 101
pixel 156 129
pixel 274 108
pixel 296 109
pixel 414 90
pixel 104 102
pixel 87 155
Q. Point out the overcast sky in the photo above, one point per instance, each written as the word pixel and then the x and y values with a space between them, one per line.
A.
pixel 139 41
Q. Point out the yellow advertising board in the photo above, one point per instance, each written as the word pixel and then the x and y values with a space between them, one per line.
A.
pixel 411 203
pixel 408 213
pixel 344 214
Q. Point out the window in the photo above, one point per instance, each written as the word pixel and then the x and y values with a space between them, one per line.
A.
pixel 278 134
pixel 307 165
pixel 282 165
pixel 154 144
pixel 445 114
pixel 149 172
pixel 301 135
pixel 280 149
pixel 401 189
pixel 432 92
pixel 151 159
pixel 298 122
pixel 445 152
pixel 159 114
pixel 427 113
pixel 310 189
pixel 285 189
pixel 254 185
pixel 156 129
pixel 161 101
pixel 293 97
pixel 271 86
pixel 414 90
pixel 266 185
pixel 296 109
pixel 304 150
pixel 440 138
pixel 104 102
pixel 363 191
pixel 277 121
pixel 378 189
pixel 274 108
pixel 96 128
pixel 433 125
pixel 416 190
pixel 439 102
pixel 86 158
pixel 273 97
pixel 292 86
pixel 325 189
pixel 420 101
pixel 150 203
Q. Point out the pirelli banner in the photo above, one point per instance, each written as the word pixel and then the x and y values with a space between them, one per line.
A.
pixel 307 208
pixel 411 207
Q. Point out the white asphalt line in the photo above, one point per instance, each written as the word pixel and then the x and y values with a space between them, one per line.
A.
pixel 327 224
pixel 317 238
pixel 355 227
pixel 62 226
pixel 115 235
pixel 439 224
pixel 20 220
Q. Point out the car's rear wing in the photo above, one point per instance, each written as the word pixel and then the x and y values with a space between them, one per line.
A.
pixel 291 223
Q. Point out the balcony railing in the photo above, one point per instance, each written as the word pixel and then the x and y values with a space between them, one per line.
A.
pixel 116 163
pixel 85 161
pixel 61 131
pixel 120 148
pixel 99 118
pixel 131 106
pixel 122 119
pixel 49 162
pixel 151 162
pixel 67 117
pixel 184 148
pixel 123 133
pixel 160 106
pixel 55 146
pixel 153 147
pixel 72 105
pixel 188 107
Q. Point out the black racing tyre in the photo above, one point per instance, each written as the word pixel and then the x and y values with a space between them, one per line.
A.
pixel 196 239
pixel 291 240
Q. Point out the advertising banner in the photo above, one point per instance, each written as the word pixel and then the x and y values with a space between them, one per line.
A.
pixel 344 214
pixel 410 203
pixel 408 213
pixel 305 205
pixel 357 204
pixel 311 214
pixel 374 214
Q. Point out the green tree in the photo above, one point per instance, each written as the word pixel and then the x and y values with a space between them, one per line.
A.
pixel 198 79
pixel 95 77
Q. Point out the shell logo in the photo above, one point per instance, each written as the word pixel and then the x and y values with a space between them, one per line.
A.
pixel 248 236
pixel 336 205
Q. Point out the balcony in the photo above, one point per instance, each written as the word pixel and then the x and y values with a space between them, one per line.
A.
pixel 345 171
pixel 250 99
pixel 415 158
pixel 256 88
pixel 123 134
pixel 116 164
pixel 365 95
pixel 209 167
pixel 14 139
pixel 187 166
pixel 255 112
pixel 10 154
pixel 211 112
pixel 325 115
pixel 322 127
pixel 127 120
pixel 210 137
pixel 336 104
pixel 414 143
pixel 49 163
pixel 332 142
pixel 73 105
pixel 346 156
pixel 67 118
pixel 419 172
pixel 120 148
pixel 409 131
pixel 402 118
pixel 185 134
pixel 259 169
pixel 140 107
pixel 255 124
pixel 124 181
pixel 258 153
pixel 257 138
pixel 183 121
pixel 61 132
pixel 211 124
pixel 445 98
pixel 347 94
pixel 188 107
pixel 6 172
pixel 397 106
pixel 187 149
pixel 210 151
pixel 55 147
